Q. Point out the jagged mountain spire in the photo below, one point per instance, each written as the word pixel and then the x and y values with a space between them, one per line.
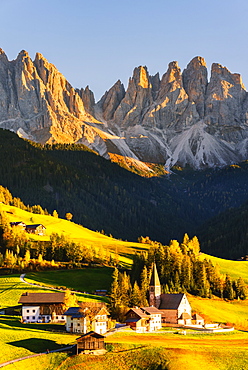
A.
pixel 181 119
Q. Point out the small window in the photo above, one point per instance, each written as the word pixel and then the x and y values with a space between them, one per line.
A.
pixel 33 317
pixel 27 317
pixel 27 310
pixel 78 324
pixel 56 317
pixel 33 310
pixel 62 317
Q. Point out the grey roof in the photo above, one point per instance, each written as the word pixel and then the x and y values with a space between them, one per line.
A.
pixel 74 312
pixel 16 223
pixel 34 226
pixel 170 301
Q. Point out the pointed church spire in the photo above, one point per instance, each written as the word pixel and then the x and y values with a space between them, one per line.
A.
pixel 154 278
pixel 155 288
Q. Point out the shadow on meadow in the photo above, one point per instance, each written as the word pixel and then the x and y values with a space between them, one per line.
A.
pixel 14 323
pixel 36 345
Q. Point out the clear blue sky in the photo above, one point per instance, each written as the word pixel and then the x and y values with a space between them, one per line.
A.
pixel 97 42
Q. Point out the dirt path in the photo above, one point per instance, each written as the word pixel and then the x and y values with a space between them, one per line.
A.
pixel 35 355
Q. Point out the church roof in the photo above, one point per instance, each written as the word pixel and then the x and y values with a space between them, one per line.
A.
pixel 154 278
pixel 170 301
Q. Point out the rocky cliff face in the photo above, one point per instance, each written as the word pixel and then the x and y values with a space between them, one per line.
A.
pixel 181 118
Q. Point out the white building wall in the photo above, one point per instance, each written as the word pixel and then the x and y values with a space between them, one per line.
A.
pixel 100 325
pixel 31 313
pixel 184 306
pixel 155 322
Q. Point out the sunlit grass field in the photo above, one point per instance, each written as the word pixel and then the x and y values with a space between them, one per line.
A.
pixel 11 289
pixel 20 340
pixel 75 232
pixel 219 310
pixel 124 249
pixel 235 269
pixel 149 351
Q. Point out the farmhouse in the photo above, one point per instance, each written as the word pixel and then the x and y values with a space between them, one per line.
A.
pixel 37 229
pixel 19 224
pixel 92 343
pixel 175 308
pixel 84 319
pixel 144 319
pixel 43 307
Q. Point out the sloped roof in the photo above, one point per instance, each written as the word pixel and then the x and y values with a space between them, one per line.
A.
pixel 170 301
pixel 138 312
pixel 85 311
pixel 95 310
pixel 91 334
pixel 74 312
pixel 31 298
pixel 154 278
pixel 185 316
pixel 34 226
pixel 151 310
pixel 17 223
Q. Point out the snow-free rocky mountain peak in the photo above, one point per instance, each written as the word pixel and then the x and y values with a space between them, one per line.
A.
pixel 181 118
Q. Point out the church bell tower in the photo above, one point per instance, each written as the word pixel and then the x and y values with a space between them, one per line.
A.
pixel 155 288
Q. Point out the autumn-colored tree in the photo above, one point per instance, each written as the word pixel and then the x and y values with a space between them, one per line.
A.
pixel 70 299
pixel 55 214
pixel 68 216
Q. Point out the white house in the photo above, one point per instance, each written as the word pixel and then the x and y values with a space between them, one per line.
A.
pixel 43 307
pixel 85 319
pixel 144 319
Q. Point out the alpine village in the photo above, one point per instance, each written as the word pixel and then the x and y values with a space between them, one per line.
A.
pixel 123 223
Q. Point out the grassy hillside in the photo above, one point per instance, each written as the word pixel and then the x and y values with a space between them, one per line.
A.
pixel 20 340
pixel 221 311
pixel 75 232
pixel 124 249
pixel 235 269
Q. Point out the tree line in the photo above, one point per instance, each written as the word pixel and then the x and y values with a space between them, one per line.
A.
pixel 181 269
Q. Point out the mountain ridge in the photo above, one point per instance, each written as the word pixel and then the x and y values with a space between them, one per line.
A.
pixel 180 119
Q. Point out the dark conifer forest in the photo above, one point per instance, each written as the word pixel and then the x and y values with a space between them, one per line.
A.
pixel 101 195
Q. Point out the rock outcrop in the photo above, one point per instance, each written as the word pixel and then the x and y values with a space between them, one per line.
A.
pixel 181 118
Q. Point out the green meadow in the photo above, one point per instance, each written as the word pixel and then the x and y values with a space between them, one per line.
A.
pixel 20 340
pixel 235 269
pixel 84 280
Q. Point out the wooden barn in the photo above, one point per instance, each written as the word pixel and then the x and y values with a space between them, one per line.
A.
pixel 91 343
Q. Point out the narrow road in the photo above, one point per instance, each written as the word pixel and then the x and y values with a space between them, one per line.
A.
pixel 22 278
